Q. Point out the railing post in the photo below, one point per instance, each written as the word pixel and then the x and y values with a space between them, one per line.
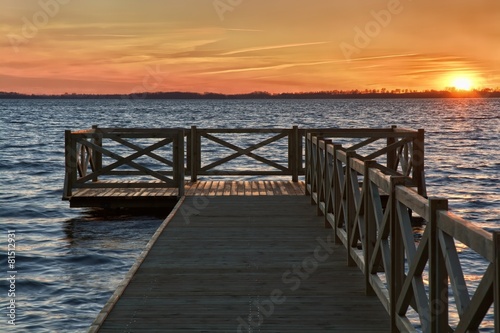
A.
pixel 337 201
pixel 70 164
pixel 308 162
pixel 350 209
pixel 418 161
pixel 321 175
pixel 187 133
pixel 317 172
pixel 179 161
pixel 293 153
pixel 194 149
pixel 300 152
pixel 96 155
pixel 392 154
pixel 496 284
pixel 438 276
pixel 370 227
pixel 314 166
pixel 327 183
pixel 397 273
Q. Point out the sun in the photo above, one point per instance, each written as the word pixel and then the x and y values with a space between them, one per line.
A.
pixel 462 83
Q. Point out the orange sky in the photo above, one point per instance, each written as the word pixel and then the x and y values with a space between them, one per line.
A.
pixel 234 46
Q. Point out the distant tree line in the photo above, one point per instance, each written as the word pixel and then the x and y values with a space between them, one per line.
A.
pixel 334 94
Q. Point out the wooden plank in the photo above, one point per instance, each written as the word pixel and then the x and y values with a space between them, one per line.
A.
pixel 283 188
pixel 255 188
pixel 213 188
pixel 206 188
pixel 248 188
pixel 200 188
pixel 227 187
pixel 234 187
pixel 220 188
pixel 262 187
pixel 139 192
pixel 275 187
pixel 241 188
pixel 191 188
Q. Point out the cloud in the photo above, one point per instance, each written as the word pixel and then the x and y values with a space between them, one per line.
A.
pixel 273 47
pixel 272 67
pixel 246 30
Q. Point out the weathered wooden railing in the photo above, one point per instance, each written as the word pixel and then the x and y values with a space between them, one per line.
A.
pixel 371 208
pixel 290 164
pixel 149 163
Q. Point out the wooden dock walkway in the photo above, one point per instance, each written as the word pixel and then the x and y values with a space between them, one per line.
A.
pixel 244 264
pixel 249 256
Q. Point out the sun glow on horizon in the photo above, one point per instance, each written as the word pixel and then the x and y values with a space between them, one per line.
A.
pixel 461 82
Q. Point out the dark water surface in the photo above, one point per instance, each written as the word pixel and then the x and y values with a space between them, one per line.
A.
pixel 69 261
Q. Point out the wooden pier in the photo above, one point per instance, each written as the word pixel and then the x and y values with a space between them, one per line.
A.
pixel 333 252
pixel 244 264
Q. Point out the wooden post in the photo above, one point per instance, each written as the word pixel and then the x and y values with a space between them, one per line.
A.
pixel 179 161
pixel 293 157
pixel 314 167
pixel 397 254
pixel 194 149
pixel 321 175
pixel 188 152
pixel 418 161
pixel 391 155
pixel 438 276
pixel 70 164
pixel 336 188
pixel 317 173
pixel 328 183
pixel 300 151
pixel 350 209
pixel 496 284
pixel 96 155
pixel 308 162
pixel 370 227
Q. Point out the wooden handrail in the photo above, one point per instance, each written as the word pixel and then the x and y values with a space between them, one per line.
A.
pixel 86 149
pixel 373 220
pixel 289 165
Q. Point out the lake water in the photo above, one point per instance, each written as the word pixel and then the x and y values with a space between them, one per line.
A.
pixel 69 261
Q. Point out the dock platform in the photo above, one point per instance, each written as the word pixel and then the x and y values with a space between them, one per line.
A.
pixel 244 264
pixel 255 254
pixel 150 197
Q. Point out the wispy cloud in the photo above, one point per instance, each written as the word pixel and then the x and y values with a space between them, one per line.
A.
pixel 245 30
pixel 273 47
pixel 273 67
pixel 406 55
pixel 311 63
pixel 101 35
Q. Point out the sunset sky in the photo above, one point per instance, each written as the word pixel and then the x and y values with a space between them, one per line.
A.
pixel 238 46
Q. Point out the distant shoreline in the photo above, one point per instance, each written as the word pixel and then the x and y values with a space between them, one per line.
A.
pixel 355 94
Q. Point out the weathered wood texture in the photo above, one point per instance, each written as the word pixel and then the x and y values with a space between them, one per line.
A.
pixel 129 196
pixel 372 208
pixel 222 261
